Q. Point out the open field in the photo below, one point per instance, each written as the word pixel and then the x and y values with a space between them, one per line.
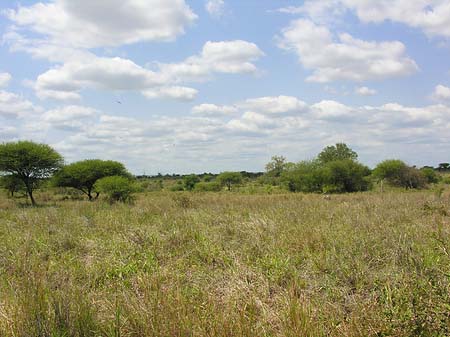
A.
pixel 226 264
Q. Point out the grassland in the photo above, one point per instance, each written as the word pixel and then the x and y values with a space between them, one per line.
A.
pixel 225 264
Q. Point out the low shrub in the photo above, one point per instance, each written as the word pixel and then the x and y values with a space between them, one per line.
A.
pixel 117 188
pixel 208 186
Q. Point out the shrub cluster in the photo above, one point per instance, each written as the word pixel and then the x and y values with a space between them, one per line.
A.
pixel 335 170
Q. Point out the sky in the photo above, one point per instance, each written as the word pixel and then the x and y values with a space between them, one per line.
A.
pixel 191 86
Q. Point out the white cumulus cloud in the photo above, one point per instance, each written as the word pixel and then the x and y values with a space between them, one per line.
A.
pixel 172 92
pixel 118 74
pixel 430 16
pixel 274 104
pixel 15 106
pixel 215 8
pixel 365 91
pixel 71 117
pixel 208 109
pixel 441 93
pixel 344 57
pixel 91 24
pixel 5 78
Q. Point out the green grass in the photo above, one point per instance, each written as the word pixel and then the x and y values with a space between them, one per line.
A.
pixel 225 264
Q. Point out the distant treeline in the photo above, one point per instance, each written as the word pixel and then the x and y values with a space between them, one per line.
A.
pixel 205 175
pixel 26 166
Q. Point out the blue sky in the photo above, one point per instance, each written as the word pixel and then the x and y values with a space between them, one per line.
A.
pixel 212 85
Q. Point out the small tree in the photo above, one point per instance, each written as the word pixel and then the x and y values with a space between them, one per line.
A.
pixel 190 181
pixel 305 176
pixel 276 166
pixel 345 176
pixel 12 184
pixel 30 162
pixel 340 151
pixel 229 179
pixel 430 175
pixel 444 167
pixel 83 175
pixel 397 173
pixel 117 188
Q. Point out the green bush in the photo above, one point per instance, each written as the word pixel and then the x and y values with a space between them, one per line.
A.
pixel 212 186
pixel 304 176
pixel 430 175
pixel 190 181
pixel 336 176
pixel 177 187
pixel 398 174
pixel 446 179
pixel 12 184
pixel 345 176
pixel 117 188
pixel 229 179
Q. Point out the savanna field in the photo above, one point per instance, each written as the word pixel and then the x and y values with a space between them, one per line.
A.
pixel 227 264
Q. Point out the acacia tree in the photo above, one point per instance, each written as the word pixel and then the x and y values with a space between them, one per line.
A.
pixel 340 151
pixel 30 162
pixel 444 166
pixel 229 179
pixel 83 175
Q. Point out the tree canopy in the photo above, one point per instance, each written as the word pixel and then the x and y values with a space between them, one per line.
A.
pixel 229 179
pixel 190 181
pixel 276 166
pixel 12 184
pixel 30 162
pixel 397 173
pixel 340 151
pixel 333 177
pixel 83 175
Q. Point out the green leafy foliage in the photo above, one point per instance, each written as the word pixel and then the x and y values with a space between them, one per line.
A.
pixel 12 184
pixel 117 188
pixel 190 181
pixel 340 151
pixel 398 174
pixel 178 187
pixel 30 162
pixel 334 171
pixel 430 175
pixel 305 176
pixel 229 179
pixel 276 166
pixel 83 175
pixel 444 167
pixel 211 186
pixel 337 176
pixel 345 176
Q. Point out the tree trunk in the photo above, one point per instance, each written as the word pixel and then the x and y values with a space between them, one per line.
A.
pixel 92 198
pixel 30 194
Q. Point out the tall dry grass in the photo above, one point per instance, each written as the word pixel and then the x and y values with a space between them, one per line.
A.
pixel 368 264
